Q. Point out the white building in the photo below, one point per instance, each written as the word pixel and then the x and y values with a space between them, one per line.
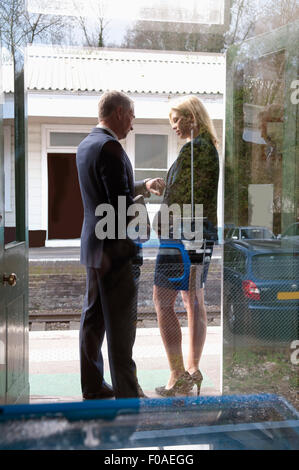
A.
pixel 64 86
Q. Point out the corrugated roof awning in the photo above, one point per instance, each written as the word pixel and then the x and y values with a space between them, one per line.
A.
pixel 132 71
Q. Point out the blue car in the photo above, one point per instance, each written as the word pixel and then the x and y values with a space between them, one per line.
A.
pixel 261 288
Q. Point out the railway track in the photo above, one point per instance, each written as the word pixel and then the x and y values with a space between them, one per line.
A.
pixel 71 320
pixel 54 317
pixel 57 289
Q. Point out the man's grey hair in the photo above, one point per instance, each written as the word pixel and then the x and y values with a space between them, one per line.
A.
pixel 110 100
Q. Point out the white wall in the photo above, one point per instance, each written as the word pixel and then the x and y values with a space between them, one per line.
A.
pixel 34 176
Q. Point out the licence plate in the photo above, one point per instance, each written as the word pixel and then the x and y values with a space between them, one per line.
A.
pixel 288 295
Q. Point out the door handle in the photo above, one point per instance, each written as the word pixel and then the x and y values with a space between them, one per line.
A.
pixel 11 279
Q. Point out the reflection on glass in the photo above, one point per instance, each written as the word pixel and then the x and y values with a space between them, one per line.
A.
pixel 261 159
pixel 261 273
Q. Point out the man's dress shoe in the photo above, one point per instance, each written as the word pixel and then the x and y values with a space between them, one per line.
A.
pixel 141 393
pixel 105 392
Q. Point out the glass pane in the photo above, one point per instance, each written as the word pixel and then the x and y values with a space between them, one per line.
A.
pixel 14 146
pixel 156 51
pixel 66 139
pixel 9 182
pixel 261 300
pixel 264 88
pixel 151 151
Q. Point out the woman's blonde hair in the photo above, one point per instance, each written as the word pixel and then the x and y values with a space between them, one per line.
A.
pixel 193 109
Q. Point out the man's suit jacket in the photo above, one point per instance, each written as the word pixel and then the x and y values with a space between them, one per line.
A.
pixel 105 172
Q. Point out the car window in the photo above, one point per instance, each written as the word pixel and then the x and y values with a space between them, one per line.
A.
pixel 239 261
pixel 268 234
pixel 275 266
pixel 234 259
pixel 256 233
pixel 227 256
pixel 235 234
pixel 230 256
pixel 242 263
pixel 245 234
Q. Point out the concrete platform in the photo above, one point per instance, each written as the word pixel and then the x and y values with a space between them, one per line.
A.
pixel 54 373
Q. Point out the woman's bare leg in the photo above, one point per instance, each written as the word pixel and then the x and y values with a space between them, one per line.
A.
pixel 170 330
pixel 197 326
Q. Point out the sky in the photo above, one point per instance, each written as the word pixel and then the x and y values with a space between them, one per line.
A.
pixel 202 11
pixel 122 14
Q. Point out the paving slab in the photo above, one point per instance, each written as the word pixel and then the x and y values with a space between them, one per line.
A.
pixel 54 372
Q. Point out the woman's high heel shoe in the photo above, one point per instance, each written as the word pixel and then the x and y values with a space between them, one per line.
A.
pixel 197 380
pixel 184 384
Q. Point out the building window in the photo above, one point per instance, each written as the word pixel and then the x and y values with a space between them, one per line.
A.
pixel 152 150
pixel 150 157
pixel 66 139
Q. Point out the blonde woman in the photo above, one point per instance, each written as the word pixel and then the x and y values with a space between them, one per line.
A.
pixel 190 120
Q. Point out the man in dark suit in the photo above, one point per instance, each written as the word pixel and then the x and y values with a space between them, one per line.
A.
pixel 105 173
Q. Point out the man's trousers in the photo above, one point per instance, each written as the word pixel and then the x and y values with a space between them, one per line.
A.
pixel 109 307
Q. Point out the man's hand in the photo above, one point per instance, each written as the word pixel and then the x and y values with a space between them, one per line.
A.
pixel 155 186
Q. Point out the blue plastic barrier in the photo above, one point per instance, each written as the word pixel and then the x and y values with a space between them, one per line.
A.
pixel 197 255
pixel 256 422
pixel 180 282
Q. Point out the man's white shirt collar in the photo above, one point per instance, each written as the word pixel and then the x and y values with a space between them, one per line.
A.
pixel 109 130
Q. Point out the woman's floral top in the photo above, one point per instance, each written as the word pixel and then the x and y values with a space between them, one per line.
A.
pixel 205 177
